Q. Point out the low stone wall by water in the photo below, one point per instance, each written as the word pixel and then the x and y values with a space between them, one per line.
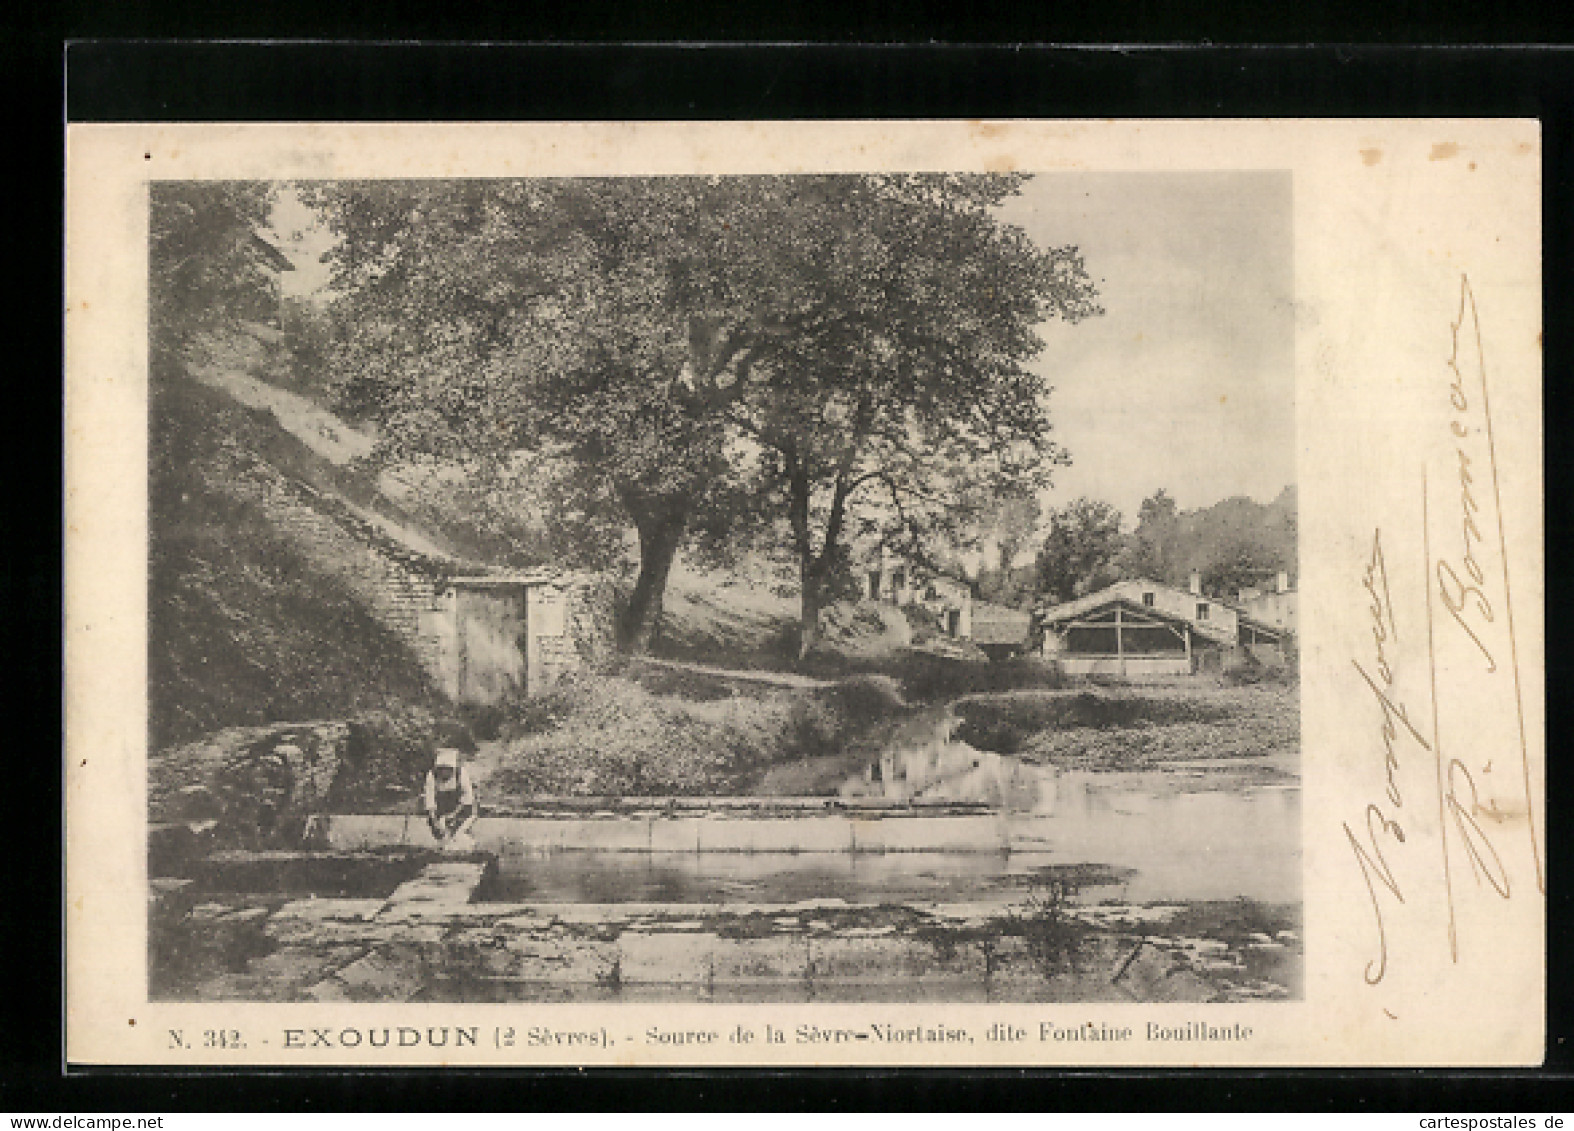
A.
pixel 987 832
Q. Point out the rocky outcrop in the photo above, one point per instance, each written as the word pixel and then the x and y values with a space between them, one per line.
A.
pixel 260 786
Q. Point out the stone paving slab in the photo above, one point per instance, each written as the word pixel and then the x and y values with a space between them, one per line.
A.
pixel 428 939
pixel 557 953
pixel 442 887
pixel 294 966
pixel 1151 973
pixel 381 976
pixel 907 958
pixel 679 959
pixel 320 910
pixel 775 958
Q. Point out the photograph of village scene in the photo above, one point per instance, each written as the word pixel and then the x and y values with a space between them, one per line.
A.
pixel 724 589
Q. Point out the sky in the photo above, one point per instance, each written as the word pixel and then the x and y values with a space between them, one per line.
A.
pixel 300 233
pixel 1187 381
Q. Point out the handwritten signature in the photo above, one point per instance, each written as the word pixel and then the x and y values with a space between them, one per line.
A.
pixel 1462 596
pixel 1375 869
pixel 1465 581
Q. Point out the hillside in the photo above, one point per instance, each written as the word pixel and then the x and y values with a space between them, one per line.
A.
pixel 242 628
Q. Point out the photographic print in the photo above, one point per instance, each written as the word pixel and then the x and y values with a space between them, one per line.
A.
pixel 674 608
pixel 790 588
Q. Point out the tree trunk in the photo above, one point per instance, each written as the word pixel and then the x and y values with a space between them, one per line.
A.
pixel 811 583
pixel 798 487
pixel 814 570
pixel 660 523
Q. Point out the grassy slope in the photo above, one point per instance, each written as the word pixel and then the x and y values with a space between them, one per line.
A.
pixel 738 620
pixel 653 732
pixel 242 630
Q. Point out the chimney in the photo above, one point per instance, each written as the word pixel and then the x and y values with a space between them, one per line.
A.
pixel 1284 582
pixel 1196 584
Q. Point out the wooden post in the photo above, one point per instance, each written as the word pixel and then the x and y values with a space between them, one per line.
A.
pixel 1189 667
pixel 1120 649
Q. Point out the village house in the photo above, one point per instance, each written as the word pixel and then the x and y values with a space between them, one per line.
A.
pixel 1142 629
pixel 483 635
pixel 891 579
pixel 1273 604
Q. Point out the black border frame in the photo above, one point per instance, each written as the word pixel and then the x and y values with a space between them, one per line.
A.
pixel 103 80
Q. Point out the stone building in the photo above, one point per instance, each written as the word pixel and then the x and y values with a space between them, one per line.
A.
pixel 483 635
pixel 1138 629
pixel 1142 629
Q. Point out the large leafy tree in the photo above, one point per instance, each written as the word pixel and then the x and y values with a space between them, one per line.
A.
pixel 708 347
pixel 1011 523
pixel 606 322
pixel 904 409
pixel 207 264
pixel 1155 549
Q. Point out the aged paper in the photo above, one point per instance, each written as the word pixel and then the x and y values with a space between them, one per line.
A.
pixel 1350 319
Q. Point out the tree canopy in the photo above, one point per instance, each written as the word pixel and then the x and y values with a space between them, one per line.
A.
pixel 1081 550
pixel 206 261
pixel 829 349
pixel 1236 543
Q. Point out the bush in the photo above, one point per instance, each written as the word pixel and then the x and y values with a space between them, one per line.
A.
pixel 1006 724
pixel 606 736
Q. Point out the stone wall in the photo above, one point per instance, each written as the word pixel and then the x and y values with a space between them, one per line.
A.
pixel 408 592
pixel 403 590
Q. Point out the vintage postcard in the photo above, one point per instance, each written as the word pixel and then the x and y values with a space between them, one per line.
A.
pixel 861 593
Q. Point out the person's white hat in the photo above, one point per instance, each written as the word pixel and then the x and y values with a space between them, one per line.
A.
pixel 449 758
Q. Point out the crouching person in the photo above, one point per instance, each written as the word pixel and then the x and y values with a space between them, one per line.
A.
pixel 450 801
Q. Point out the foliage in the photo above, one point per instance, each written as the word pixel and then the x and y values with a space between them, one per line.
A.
pixel 709 352
pixel 525 508
pixel 1081 550
pixel 1236 543
pixel 241 628
pixel 1013 520
pixel 1014 588
pixel 1241 562
pixel 1153 549
pixel 598 736
pixel 1257 722
pixel 206 263
pixel 902 409
pixel 1052 934
pixel 1006 724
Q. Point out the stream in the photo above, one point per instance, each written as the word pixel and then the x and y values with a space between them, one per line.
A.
pixel 1211 832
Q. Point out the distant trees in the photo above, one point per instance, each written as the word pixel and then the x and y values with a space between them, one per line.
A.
pixel 1232 545
pixel 835 351
pixel 1011 523
pixel 1154 548
pixel 1081 550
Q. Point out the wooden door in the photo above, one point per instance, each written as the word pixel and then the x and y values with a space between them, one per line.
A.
pixel 491 645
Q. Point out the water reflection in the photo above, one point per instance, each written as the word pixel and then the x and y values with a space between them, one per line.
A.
pixel 1137 837
pixel 925 762
pixel 1185 837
